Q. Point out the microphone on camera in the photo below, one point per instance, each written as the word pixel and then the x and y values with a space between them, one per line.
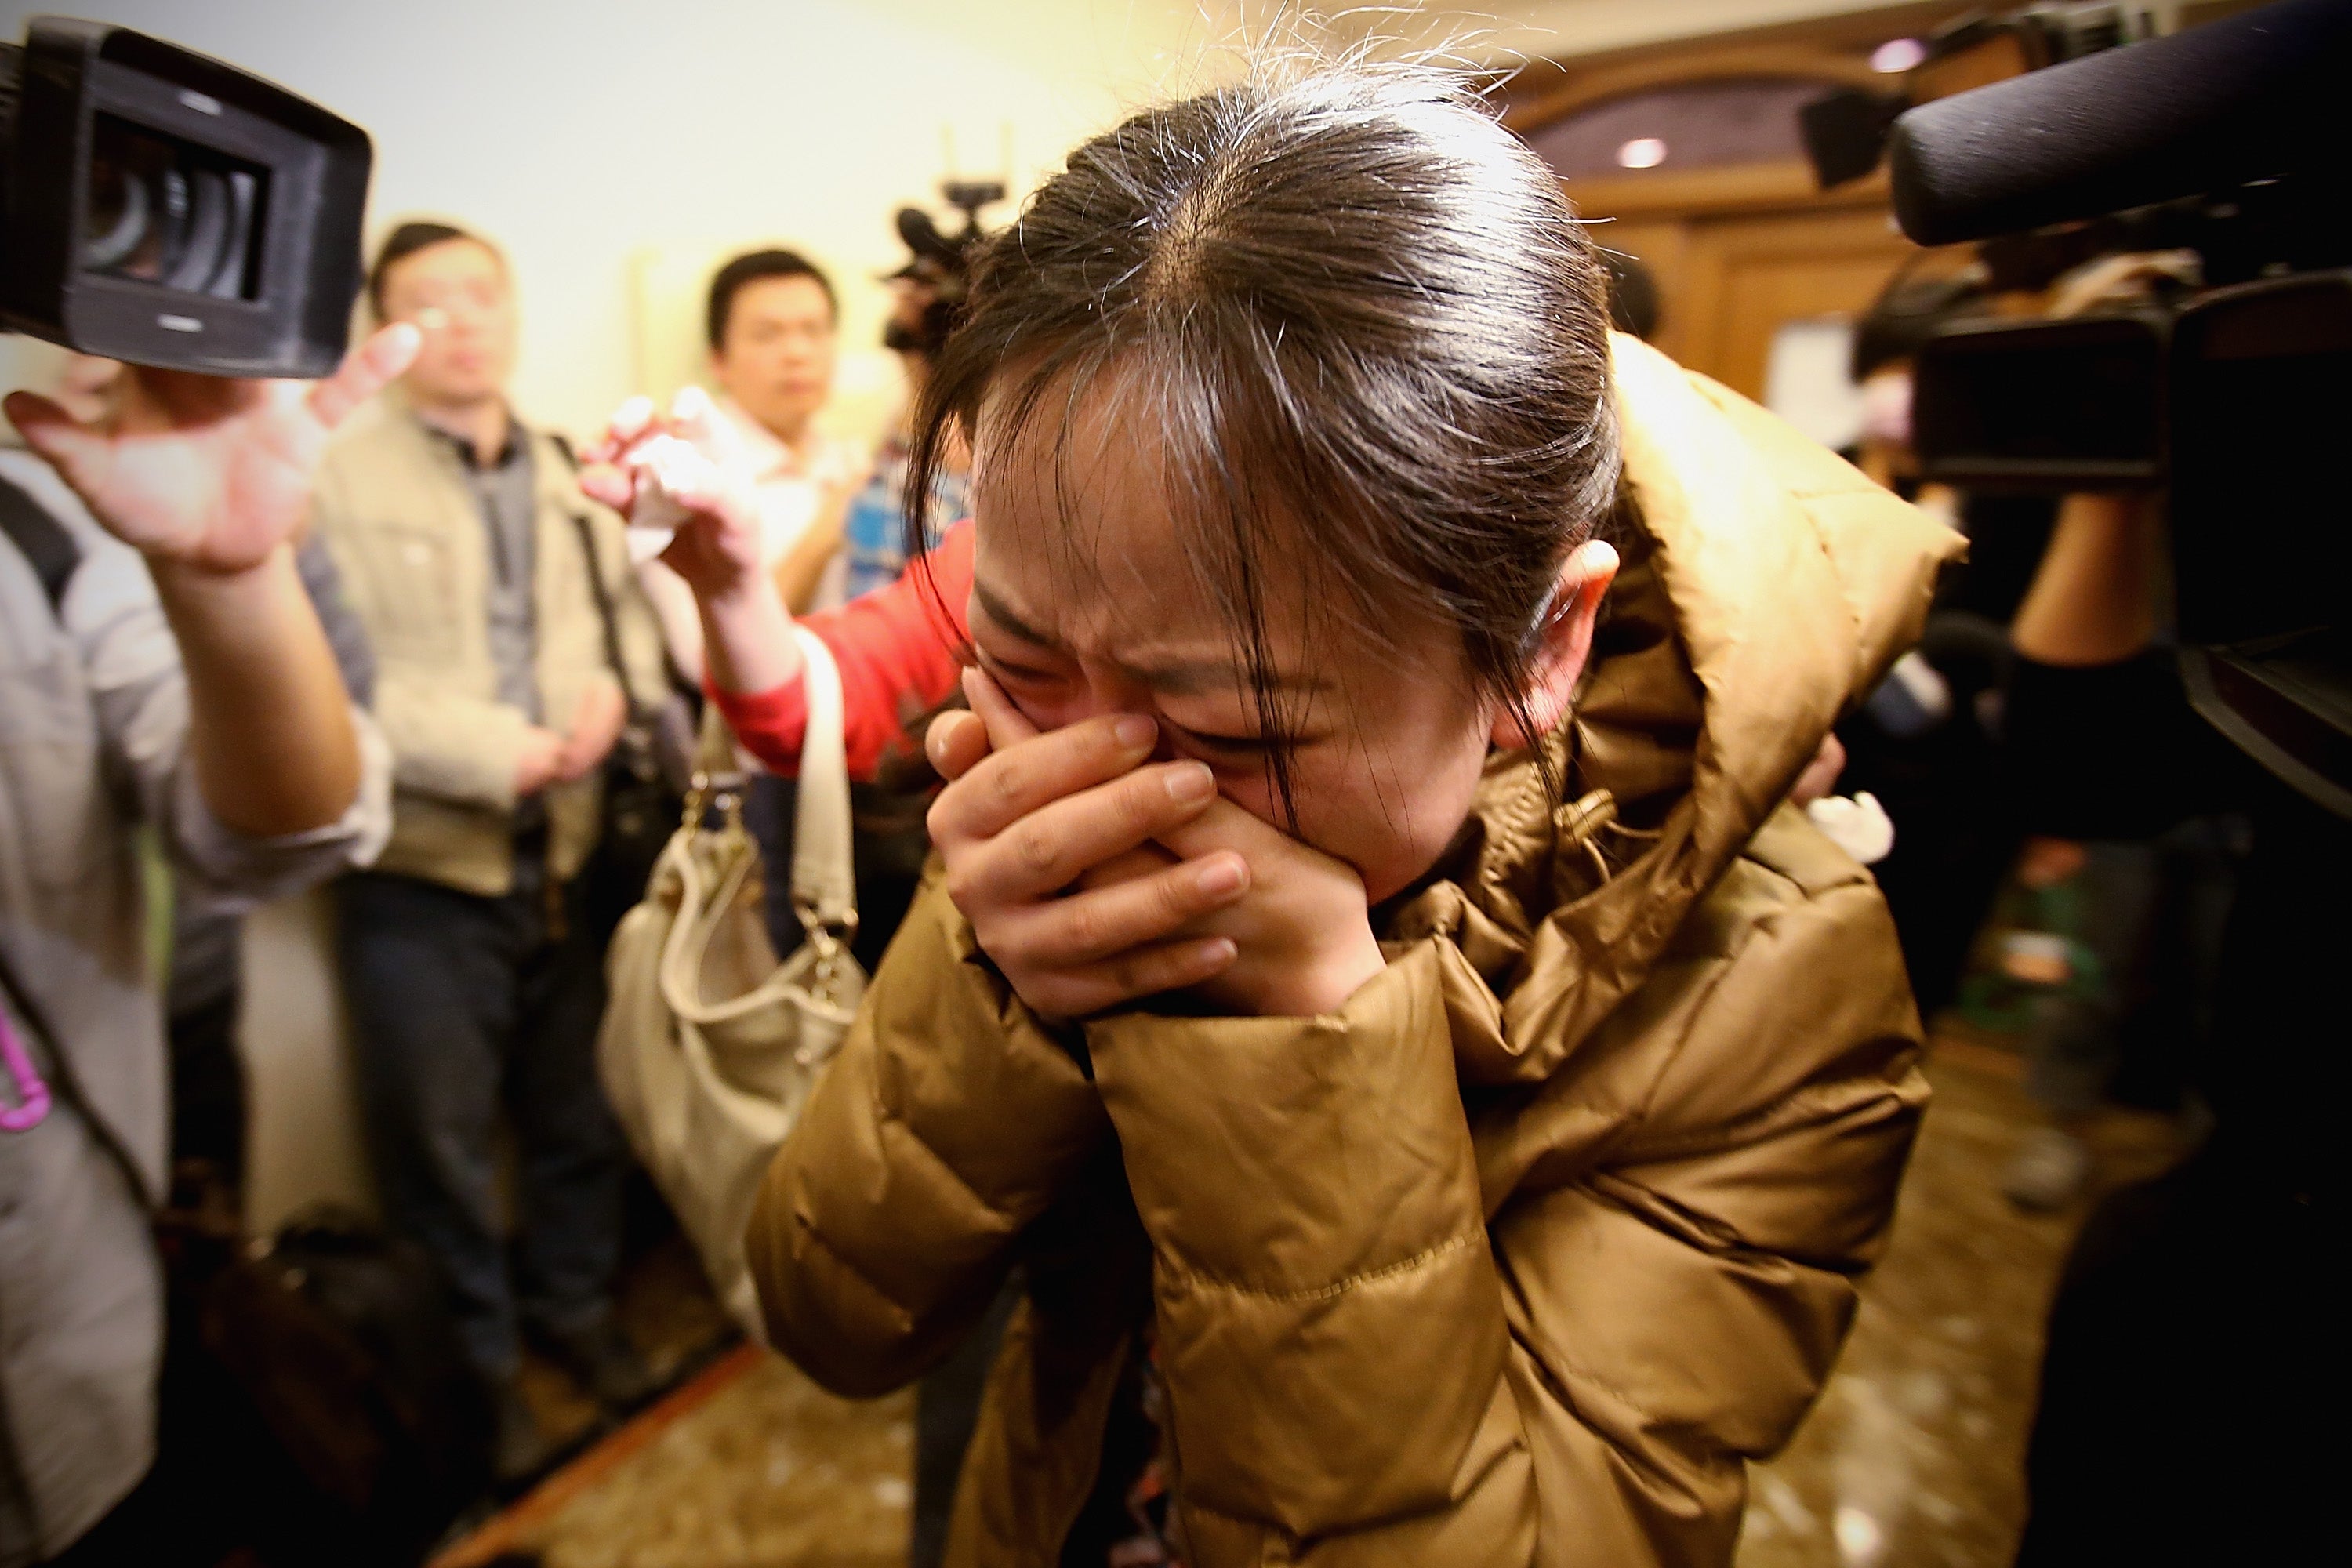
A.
pixel 2252 96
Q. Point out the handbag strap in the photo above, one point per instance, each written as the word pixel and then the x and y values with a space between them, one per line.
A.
pixel 607 616
pixel 825 884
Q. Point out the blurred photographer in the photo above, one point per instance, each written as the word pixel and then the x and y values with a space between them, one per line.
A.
pixel 2191 1303
pixel 2206 425
pixel 1926 742
pixel 2123 909
pixel 160 664
pixel 2130 892
pixel 927 298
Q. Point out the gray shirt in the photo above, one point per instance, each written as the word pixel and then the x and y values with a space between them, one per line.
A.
pixel 505 493
pixel 93 743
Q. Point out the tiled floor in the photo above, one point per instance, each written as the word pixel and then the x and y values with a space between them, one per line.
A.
pixel 1910 1459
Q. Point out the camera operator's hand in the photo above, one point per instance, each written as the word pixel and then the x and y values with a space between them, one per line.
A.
pixel 209 479
pixel 208 474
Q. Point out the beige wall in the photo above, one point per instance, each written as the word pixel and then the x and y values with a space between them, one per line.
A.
pixel 587 134
pixel 615 146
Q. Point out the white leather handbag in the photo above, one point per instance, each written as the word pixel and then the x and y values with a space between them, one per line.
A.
pixel 709 1045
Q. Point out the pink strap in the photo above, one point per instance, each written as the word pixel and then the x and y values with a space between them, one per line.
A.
pixel 32 1095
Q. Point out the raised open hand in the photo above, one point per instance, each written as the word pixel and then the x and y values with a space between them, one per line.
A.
pixel 205 472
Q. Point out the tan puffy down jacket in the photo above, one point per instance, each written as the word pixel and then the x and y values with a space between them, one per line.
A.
pixel 1520 1258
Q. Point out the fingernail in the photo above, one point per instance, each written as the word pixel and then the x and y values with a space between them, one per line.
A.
pixel 1135 733
pixel 1191 781
pixel 1217 952
pixel 1221 876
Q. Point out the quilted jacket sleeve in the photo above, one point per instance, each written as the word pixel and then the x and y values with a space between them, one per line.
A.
pixel 945 1125
pixel 1369 1361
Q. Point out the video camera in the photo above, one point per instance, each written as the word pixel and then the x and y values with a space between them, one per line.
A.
pixel 2235 401
pixel 164 208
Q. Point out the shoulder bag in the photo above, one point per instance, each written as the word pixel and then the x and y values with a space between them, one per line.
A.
pixel 709 1045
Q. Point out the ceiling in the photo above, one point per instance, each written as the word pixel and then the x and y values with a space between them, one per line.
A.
pixel 1559 29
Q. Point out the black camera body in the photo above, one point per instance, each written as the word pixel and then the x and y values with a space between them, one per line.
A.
pixel 161 207
pixel 2233 401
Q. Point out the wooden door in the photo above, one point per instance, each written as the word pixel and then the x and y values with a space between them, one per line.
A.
pixel 1738 258
pixel 1740 239
pixel 1746 277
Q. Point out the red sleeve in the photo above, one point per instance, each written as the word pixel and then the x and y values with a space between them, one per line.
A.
pixel 898 649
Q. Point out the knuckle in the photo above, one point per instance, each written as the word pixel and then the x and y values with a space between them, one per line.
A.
pixel 1130 974
pixel 1146 793
pixel 1177 895
pixel 1083 927
pixel 1007 782
pixel 1035 849
pixel 961 883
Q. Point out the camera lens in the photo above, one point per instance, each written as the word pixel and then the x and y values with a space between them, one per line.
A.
pixel 160 211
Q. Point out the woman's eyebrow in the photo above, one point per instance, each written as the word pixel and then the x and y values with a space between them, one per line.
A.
pixel 1193 678
pixel 1182 677
pixel 1005 615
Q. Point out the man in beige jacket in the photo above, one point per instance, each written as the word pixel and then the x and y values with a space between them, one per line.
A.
pixel 484 578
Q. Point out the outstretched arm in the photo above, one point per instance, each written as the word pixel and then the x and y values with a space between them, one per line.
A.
pixel 681 472
pixel 208 479
pixel 898 649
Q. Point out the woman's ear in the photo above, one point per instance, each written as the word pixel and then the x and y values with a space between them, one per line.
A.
pixel 1575 610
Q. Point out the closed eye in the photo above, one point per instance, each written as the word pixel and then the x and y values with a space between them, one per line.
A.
pixel 1006 672
pixel 1238 747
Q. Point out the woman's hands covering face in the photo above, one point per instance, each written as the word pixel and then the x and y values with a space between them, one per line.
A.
pixel 1093 877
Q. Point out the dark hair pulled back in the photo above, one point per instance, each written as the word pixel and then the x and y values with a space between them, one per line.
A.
pixel 1371 334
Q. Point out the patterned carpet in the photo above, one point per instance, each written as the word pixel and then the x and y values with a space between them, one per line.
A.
pixel 1910 1459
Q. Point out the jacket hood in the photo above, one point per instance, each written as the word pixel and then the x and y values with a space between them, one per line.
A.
pixel 1767 585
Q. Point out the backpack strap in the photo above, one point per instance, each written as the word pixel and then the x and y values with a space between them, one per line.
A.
pixel 42 540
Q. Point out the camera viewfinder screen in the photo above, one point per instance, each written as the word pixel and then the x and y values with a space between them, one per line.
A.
pixel 2046 400
pixel 165 211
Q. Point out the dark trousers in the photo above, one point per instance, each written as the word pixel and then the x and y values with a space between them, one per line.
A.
pixel 208 1088
pixel 463 1005
pixel 946 1413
